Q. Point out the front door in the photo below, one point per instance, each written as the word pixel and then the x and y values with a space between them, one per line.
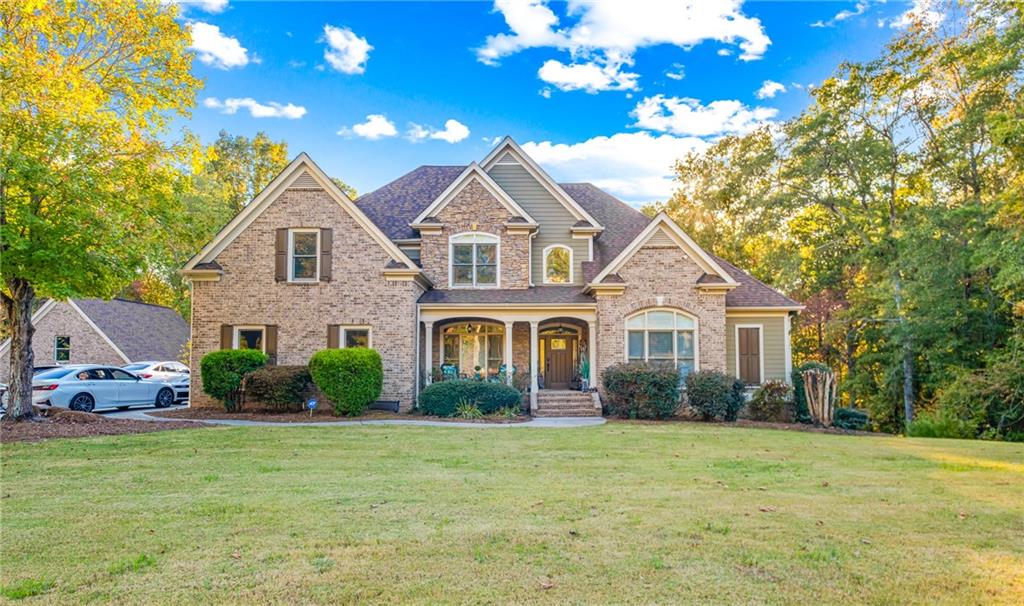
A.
pixel 558 355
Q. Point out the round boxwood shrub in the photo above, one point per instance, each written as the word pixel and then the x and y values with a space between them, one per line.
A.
pixel 714 395
pixel 280 388
pixel 222 372
pixel 641 391
pixel 352 377
pixel 442 399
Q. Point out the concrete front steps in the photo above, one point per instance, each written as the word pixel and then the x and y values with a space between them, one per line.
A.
pixel 567 403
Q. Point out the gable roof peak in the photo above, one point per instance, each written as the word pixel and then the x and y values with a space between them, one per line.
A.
pixel 472 171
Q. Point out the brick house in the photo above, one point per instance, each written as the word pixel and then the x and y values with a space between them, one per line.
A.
pixel 94 331
pixel 464 270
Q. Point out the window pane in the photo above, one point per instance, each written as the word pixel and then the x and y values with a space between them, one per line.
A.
pixel 451 350
pixel 685 368
pixel 495 352
pixel 487 254
pixel 636 345
pixel 557 266
pixel 486 274
pixel 63 342
pixel 463 274
pixel 636 322
pixel 250 339
pixel 660 319
pixel 304 243
pixel 684 344
pixel 120 375
pixel 462 253
pixel 683 321
pixel 659 344
pixel 304 267
pixel 357 337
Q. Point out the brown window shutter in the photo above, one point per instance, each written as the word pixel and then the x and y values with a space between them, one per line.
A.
pixel 750 355
pixel 227 334
pixel 333 336
pixel 271 344
pixel 281 258
pixel 326 245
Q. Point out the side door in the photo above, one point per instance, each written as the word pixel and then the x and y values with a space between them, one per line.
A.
pixel 102 387
pixel 130 390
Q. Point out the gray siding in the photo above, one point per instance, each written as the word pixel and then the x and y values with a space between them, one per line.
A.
pixel 774 353
pixel 555 221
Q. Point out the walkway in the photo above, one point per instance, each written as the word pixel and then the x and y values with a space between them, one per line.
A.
pixel 143 415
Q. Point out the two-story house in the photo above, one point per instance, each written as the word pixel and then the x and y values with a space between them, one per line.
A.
pixel 472 269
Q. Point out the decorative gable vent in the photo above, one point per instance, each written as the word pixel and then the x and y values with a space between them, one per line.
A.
pixel 661 239
pixel 305 181
pixel 507 158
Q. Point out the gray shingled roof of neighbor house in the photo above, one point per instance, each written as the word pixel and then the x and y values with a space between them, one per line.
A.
pixel 140 330
pixel 395 205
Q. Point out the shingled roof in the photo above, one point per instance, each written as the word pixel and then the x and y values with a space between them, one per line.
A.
pixel 140 330
pixel 393 206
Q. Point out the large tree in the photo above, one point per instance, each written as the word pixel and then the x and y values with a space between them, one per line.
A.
pixel 86 91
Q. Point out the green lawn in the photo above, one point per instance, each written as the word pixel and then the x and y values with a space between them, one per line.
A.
pixel 620 513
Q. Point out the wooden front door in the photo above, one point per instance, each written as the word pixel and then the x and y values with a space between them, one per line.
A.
pixel 558 357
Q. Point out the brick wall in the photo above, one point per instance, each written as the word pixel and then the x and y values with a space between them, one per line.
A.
pixel 475 206
pixel 247 294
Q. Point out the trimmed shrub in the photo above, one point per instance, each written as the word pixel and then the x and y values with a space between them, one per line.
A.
pixel 222 372
pixel 641 391
pixel 714 395
pixel 442 399
pixel 801 412
pixel 936 424
pixel 281 388
pixel 352 377
pixel 850 418
pixel 771 402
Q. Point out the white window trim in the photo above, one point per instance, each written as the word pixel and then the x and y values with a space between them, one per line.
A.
pixel 291 254
pixel 237 338
pixel 473 237
pixel 675 340
pixel 544 264
pixel 56 361
pixel 342 329
pixel 760 348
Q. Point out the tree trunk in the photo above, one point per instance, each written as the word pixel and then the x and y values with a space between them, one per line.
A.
pixel 908 354
pixel 18 310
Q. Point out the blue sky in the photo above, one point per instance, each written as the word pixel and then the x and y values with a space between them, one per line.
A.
pixel 609 93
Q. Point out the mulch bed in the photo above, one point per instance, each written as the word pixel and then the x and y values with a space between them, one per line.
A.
pixel 319 416
pixel 756 425
pixel 61 423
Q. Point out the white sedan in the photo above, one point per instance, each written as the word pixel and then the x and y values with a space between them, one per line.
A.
pixel 175 373
pixel 84 387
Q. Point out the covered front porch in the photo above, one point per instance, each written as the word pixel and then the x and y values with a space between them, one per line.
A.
pixel 533 348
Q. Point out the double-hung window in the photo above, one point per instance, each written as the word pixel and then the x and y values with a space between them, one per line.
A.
pixel 303 255
pixel 663 337
pixel 474 260
pixel 61 349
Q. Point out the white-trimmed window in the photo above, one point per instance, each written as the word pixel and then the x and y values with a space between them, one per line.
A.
pixel 473 260
pixel 354 336
pixel 557 264
pixel 61 349
pixel 665 337
pixel 251 337
pixel 303 255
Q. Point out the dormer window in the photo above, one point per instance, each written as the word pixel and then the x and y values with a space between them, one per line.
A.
pixel 557 264
pixel 473 261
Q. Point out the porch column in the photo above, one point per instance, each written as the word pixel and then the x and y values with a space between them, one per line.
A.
pixel 429 353
pixel 533 365
pixel 592 353
pixel 508 352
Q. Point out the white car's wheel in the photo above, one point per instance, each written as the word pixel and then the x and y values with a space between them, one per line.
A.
pixel 82 402
pixel 164 397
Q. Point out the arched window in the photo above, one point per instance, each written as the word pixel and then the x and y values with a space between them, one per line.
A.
pixel 557 264
pixel 473 260
pixel 663 337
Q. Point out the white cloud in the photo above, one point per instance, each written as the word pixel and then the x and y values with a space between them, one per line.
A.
pixel 843 15
pixel 640 163
pixel 216 49
pixel 453 132
pixel 770 88
pixel 688 117
pixel 590 77
pixel 345 52
pixel 676 73
pixel 925 12
pixel 209 6
pixel 609 32
pixel 377 126
pixel 724 52
pixel 545 92
pixel 271 109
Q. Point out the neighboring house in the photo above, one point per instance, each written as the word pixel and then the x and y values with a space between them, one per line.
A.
pixel 469 268
pixel 94 331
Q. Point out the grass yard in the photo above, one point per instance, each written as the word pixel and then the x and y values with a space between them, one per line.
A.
pixel 658 513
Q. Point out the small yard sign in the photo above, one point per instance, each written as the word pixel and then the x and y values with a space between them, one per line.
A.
pixel 311 405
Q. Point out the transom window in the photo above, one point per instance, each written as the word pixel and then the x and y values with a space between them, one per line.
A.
pixel 250 337
pixel 473 348
pixel 662 337
pixel 303 255
pixel 62 349
pixel 557 264
pixel 474 260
